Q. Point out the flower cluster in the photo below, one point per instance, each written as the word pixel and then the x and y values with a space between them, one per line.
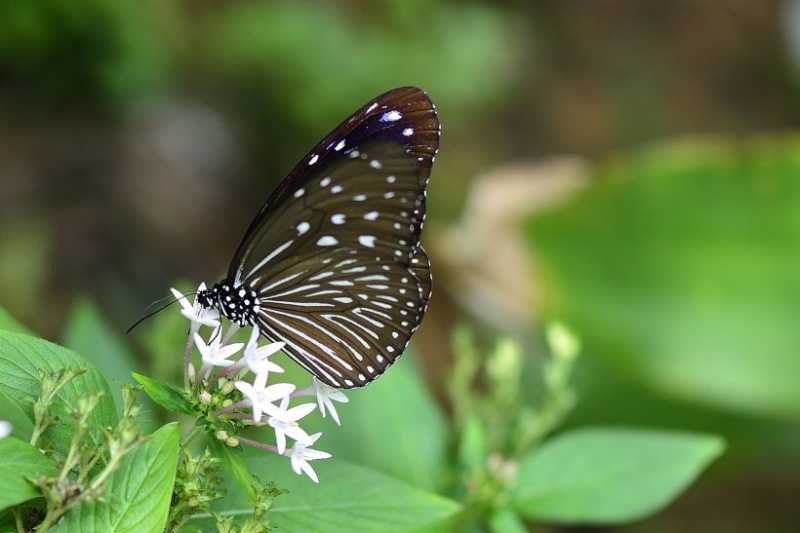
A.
pixel 247 368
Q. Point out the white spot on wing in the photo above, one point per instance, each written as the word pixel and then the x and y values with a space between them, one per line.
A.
pixel 299 192
pixel 390 179
pixel 359 197
pixel 336 189
pixel 372 107
pixel 375 164
pixel 391 116
pixel 339 146
pixel 372 215
pixel 367 240
pixel 327 240
pixel 338 219
pixel 313 159
pixel 408 132
pixel 303 227
pixel 325 181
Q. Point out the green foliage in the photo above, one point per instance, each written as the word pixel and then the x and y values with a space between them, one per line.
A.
pixel 8 323
pixel 63 51
pixel 609 476
pixel 394 426
pixel 463 50
pixel 500 478
pixel 88 334
pixel 678 266
pixel 22 358
pixel 234 464
pixel 350 498
pixel 141 489
pixel 19 461
pixel 164 394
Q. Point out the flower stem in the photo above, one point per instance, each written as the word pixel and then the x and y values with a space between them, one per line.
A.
pixel 188 438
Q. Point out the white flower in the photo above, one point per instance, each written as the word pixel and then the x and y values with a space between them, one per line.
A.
pixel 325 395
pixel 285 423
pixel 261 398
pixel 5 429
pixel 216 354
pixel 301 454
pixel 257 359
pixel 197 314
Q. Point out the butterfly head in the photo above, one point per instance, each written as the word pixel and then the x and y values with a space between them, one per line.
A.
pixel 237 304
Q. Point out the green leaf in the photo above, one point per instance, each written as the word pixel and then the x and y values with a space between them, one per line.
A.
pixel 348 498
pixel 88 334
pixel 9 323
pixel 609 476
pixel 138 493
pixel 21 356
pixel 11 412
pixel 234 464
pixel 393 425
pixel 678 267
pixel 167 396
pixel 18 461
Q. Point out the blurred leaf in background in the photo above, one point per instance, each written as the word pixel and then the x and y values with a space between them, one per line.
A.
pixel 58 52
pixel 680 267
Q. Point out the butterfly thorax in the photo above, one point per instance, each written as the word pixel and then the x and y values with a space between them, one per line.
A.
pixel 237 304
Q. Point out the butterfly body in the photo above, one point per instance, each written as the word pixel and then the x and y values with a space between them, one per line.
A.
pixel 332 263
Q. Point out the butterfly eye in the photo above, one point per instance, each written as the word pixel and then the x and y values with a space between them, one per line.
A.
pixel 332 264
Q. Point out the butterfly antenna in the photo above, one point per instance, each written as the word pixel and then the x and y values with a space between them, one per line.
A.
pixel 148 313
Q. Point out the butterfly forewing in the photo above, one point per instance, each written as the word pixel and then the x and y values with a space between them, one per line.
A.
pixel 373 201
pixel 403 116
pixel 333 258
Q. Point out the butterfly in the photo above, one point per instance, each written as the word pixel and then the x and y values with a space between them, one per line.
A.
pixel 332 264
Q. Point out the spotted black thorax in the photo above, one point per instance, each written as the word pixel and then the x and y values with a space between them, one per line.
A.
pixel 240 306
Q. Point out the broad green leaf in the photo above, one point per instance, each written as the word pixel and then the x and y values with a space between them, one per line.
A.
pixel 348 498
pixel 18 461
pixel 9 323
pixel 234 464
pixel 22 356
pixel 138 493
pixel 678 267
pixel 609 476
pixel 392 425
pixel 88 334
pixel 11 412
pixel 167 396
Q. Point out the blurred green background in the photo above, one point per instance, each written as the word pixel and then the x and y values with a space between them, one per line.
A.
pixel 628 167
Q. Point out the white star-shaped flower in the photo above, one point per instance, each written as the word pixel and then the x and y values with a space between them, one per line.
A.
pixel 285 423
pixel 260 398
pixel 301 454
pixel 197 314
pixel 5 429
pixel 257 359
pixel 215 353
pixel 325 396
